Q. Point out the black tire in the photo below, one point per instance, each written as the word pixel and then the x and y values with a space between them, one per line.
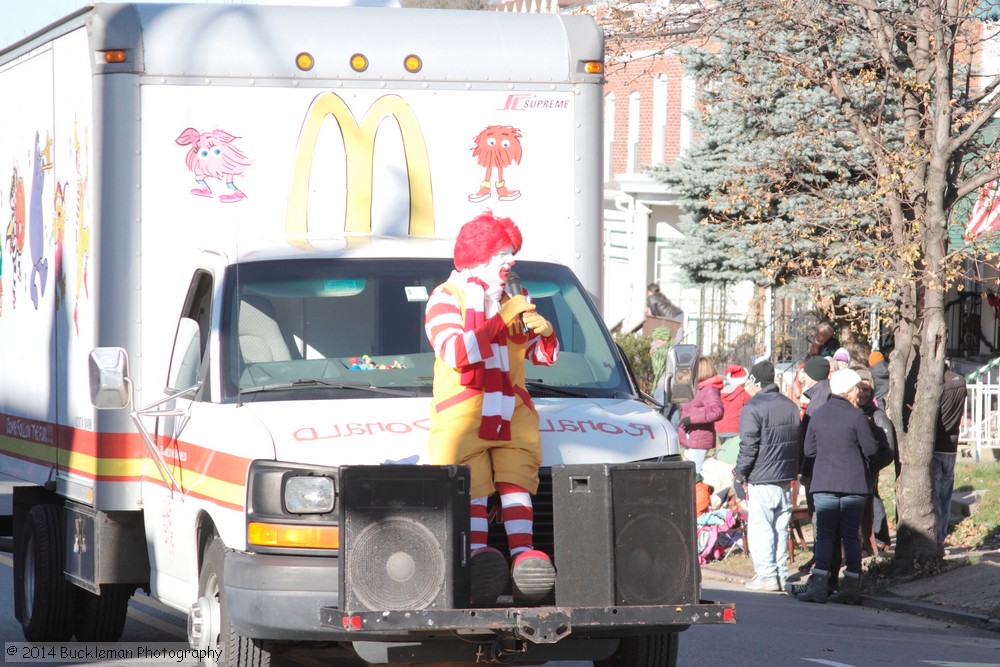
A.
pixel 237 651
pixel 659 650
pixel 46 600
pixel 101 618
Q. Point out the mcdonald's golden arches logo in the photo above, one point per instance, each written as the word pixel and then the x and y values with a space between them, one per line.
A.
pixel 359 147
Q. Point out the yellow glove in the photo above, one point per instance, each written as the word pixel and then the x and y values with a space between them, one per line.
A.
pixel 513 308
pixel 537 323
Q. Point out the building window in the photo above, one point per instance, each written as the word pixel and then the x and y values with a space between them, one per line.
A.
pixel 663 267
pixel 659 118
pixel 609 137
pixel 991 53
pixel 687 105
pixel 632 161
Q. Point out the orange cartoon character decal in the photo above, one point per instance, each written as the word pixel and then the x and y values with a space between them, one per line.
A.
pixel 497 146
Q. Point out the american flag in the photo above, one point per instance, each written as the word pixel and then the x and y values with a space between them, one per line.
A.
pixel 985 216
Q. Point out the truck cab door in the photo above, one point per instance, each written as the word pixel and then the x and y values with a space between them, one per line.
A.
pixel 169 512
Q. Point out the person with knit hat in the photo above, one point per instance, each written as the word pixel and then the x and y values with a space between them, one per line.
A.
pixel 813 380
pixel 841 358
pixel 696 429
pixel 734 397
pixel 874 523
pixel 481 414
pixel 879 367
pixel 767 463
pixel 839 440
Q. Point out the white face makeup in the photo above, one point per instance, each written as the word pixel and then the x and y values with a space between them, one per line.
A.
pixel 494 271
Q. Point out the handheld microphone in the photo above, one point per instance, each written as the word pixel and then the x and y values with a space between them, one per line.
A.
pixel 513 288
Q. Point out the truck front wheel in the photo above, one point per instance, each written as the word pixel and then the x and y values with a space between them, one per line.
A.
pixel 659 650
pixel 235 650
pixel 46 598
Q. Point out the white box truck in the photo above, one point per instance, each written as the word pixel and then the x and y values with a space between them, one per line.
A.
pixel 224 222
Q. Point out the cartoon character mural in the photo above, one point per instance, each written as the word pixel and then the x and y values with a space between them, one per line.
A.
pixel 14 239
pixel 496 147
pixel 58 234
pixel 82 229
pixel 213 155
pixel 36 223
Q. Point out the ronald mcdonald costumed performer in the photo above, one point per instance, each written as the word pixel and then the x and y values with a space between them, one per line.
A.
pixel 481 414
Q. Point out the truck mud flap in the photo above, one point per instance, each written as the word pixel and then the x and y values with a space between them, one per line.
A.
pixel 539 625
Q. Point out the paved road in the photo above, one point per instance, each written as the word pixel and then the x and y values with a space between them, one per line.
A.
pixel 771 630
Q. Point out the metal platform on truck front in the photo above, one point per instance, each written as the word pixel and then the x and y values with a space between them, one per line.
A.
pixel 539 625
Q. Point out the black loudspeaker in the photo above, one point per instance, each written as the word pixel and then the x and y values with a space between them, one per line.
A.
pixel 625 534
pixel 404 537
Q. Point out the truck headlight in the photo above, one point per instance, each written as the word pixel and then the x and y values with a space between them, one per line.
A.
pixel 309 495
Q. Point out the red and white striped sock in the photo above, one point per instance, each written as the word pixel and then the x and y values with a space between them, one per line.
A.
pixel 479 531
pixel 518 516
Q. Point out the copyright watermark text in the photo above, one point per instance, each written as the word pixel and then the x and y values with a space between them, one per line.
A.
pixel 81 653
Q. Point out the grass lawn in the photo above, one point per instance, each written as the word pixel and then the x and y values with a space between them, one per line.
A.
pixel 981 530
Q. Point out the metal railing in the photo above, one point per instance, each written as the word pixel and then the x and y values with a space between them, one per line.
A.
pixel 981 423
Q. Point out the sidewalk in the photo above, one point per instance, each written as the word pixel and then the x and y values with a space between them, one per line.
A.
pixel 968 595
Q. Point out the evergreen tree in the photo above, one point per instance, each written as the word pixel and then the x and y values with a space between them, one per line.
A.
pixel 758 188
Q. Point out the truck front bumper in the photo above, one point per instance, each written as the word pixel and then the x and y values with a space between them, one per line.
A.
pixel 279 597
pixel 296 599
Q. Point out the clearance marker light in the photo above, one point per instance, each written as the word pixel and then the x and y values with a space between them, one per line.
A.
pixel 593 66
pixel 114 56
pixel 412 63
pixel 304 61
pixel 359 63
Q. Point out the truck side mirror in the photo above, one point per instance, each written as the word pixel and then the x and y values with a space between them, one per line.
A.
pixel 679 380
pixel 109 381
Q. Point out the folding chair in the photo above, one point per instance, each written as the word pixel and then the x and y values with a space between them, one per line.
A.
pixel 799 516
pixel 737 535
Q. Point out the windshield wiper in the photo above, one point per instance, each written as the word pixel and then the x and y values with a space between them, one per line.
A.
pixel 538 385
pixel 325 384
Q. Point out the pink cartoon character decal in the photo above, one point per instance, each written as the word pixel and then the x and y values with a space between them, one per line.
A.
pixel 496 147
pixel 213 155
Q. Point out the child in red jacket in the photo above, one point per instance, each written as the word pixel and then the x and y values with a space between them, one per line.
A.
pixel 734 397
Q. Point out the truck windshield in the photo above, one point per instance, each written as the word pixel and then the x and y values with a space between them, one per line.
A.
pixel 351 328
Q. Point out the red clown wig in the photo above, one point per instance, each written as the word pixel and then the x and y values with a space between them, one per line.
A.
pixel 484 236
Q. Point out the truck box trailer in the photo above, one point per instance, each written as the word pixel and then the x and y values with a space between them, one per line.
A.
pixel 224 225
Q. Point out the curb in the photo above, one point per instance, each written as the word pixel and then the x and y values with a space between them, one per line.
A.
pixel 937 612
pixel 889 603
pixel 718 574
